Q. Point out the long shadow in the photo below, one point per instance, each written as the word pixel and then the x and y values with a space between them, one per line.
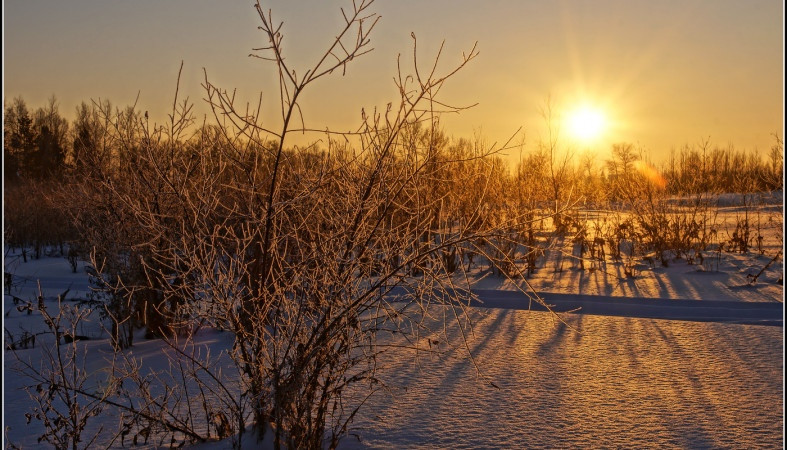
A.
pixel 441 378
pixel 693 392
pixel 549 346
pixel 752 313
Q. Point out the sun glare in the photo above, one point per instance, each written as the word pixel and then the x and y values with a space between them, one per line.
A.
pixel 586 123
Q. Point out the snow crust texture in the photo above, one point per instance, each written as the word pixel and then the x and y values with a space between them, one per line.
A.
pixel 593 382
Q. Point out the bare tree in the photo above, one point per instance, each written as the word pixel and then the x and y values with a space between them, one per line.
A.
pixel 559 169
pixel 305 254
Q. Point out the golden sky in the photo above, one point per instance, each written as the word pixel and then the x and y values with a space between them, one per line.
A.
pixel 664 73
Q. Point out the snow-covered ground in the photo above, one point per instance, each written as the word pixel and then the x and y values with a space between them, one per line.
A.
pixel 675 357
pixel 594 382
pixel 678 281
pixel 721 275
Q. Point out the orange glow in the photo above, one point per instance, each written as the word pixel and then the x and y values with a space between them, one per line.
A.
pixel 650 173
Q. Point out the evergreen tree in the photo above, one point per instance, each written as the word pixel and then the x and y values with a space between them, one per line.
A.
pixel 19 139
pixel 48 158
pixel 51 131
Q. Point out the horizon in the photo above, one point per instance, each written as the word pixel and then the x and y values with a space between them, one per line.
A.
pixel 622 59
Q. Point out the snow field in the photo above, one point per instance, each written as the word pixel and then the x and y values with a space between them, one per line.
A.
pixel 593 382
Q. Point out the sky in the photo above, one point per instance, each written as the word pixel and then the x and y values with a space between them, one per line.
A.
pixel 663 74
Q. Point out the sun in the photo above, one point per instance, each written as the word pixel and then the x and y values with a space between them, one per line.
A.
pixel 586 123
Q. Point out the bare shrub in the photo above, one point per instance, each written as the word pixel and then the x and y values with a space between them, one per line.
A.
pixel 305 254
pixel 167 406
pixel 60 383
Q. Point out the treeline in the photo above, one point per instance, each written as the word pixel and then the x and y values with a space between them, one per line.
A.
pixel 705 169
pixel 54 172
pixel 35 143
pixel 43 152
pixel 42 145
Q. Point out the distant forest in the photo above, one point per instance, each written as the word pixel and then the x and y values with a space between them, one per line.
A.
pixel 41 145
pixel 44 152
